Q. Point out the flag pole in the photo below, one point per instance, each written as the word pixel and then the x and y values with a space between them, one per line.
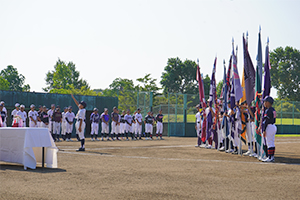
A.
pixel 240 136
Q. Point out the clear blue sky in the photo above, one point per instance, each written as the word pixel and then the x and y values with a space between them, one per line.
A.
pixel 128 39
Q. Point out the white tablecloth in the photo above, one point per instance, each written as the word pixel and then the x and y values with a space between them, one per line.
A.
pixel 24 146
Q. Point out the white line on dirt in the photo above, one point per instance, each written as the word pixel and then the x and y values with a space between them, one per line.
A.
pixel 176 159
pixel 141 147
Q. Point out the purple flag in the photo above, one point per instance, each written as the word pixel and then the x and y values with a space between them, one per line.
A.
pixel 249 75
pixel 238 90
pixel 267 78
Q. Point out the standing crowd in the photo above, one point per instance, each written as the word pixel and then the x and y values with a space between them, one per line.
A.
pixel 60 123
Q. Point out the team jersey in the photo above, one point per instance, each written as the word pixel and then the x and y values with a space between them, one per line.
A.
pixel 149 119
pixel 44 117
pixel 14 113
pixel 115 116
pixel 50 113
pixel 128 119
pixel 122 120
pixel 23 115
pixel 57 116
pixel 33 114
pixel 104 117
pixel 70 116
pixel 159 118
pixel 95 118
pixel 63 114
pixel 81 114
pixel 138 117
pixel 268 118
pixel 3 115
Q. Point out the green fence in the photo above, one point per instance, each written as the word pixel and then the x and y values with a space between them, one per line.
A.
pixel 63 100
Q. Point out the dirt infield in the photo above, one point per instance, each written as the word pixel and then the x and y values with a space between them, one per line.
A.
pixel 166 169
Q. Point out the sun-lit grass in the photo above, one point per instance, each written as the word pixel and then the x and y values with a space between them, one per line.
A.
pixel 287 135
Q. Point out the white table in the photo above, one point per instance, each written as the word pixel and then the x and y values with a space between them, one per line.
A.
pixel 25 146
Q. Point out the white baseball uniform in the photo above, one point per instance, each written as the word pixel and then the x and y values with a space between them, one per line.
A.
pixel 34 115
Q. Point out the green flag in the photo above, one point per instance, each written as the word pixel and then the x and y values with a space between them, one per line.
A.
pixel 257 106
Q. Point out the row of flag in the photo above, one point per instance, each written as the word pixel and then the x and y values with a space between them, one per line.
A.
pixel 247 91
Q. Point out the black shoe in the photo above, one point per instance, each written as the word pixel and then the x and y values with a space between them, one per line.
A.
pixel 81 149
pixel 140 138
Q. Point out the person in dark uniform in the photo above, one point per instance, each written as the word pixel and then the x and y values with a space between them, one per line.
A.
pixel 269 128
pixel 159 124
pixel 44 117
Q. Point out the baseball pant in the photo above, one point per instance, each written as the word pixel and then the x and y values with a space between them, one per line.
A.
pixel 159 128
pixel 249 132
pixel 95 128
pixel 80 133
pixel 63 128
pixel 122 128
pixel 104 128
pixel 50 127
pixel 149 128
pixel 270 135
pixel 197 129
pixel 43 125
pixel 138 129
pixel 56 128
pixel 128 128
pixel 69 128
pixel 115 128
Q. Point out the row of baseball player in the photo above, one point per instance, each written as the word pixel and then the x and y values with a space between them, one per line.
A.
pixel 124 125
pixel 227 128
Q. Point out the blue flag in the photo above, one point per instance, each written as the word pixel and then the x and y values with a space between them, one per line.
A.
pixel 259 58
pixel 238 90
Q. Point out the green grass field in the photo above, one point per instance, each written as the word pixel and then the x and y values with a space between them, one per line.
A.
pixel 191 118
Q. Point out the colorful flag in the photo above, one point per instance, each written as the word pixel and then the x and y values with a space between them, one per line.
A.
pixel 237 84
pixel 248 75
pixel 259 58
pixel 243 118
pixel 225 86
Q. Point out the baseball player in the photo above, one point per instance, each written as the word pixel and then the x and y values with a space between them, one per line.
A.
pixel 228 139
pixel 44 118
pixel 64 124
pixel 38 118
pixel 51 123
pixel 114 123
pixel 122 124
pixel 159 124
pixel 139 121
pixel 95 119
pixel 33 117
pixel 128 124
pixel 269 128
pixel 2 115
pixel 210 114
pixel 104 124
pixel 14 112
pixel 70 116
pixel 198 126
pixel 4 110
pixel 149 120
pixel 57 119
pixel 133 126
pixel 80 123
pixel 23 115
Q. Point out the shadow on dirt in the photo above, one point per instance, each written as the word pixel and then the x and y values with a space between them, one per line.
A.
pixel 39 169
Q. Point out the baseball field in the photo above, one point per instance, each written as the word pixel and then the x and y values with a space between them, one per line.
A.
pixel 160 169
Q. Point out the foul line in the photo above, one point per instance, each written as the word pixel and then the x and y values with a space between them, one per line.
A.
pixel 142 147
pixel 176 159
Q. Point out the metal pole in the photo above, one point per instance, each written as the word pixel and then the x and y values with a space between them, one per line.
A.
pixel 151 100
pixel 176 109
pixel 184 113
pixel 168 115
pixel 137 100
pixel 43 157
pixel 293 111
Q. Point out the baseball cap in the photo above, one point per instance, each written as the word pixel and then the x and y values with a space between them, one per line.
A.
pixel 40 106
pixel 138 109
pixel 198 106
pixel 2 102
pixel 22 106
pixel 70 107
pixel 32 106
pixel 82 103
pixel 95 109
pixel 269 99
pixel 52 105
pixel 17 105
pixel 105 109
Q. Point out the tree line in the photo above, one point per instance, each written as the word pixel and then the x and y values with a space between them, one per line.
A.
pixel 178 77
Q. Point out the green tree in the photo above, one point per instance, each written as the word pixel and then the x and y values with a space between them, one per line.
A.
pixel 15 80
pixel 179 77
pixel 219 88
pixel 4 84
pixel 285 72
pixel 64 77
pixel 147 83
